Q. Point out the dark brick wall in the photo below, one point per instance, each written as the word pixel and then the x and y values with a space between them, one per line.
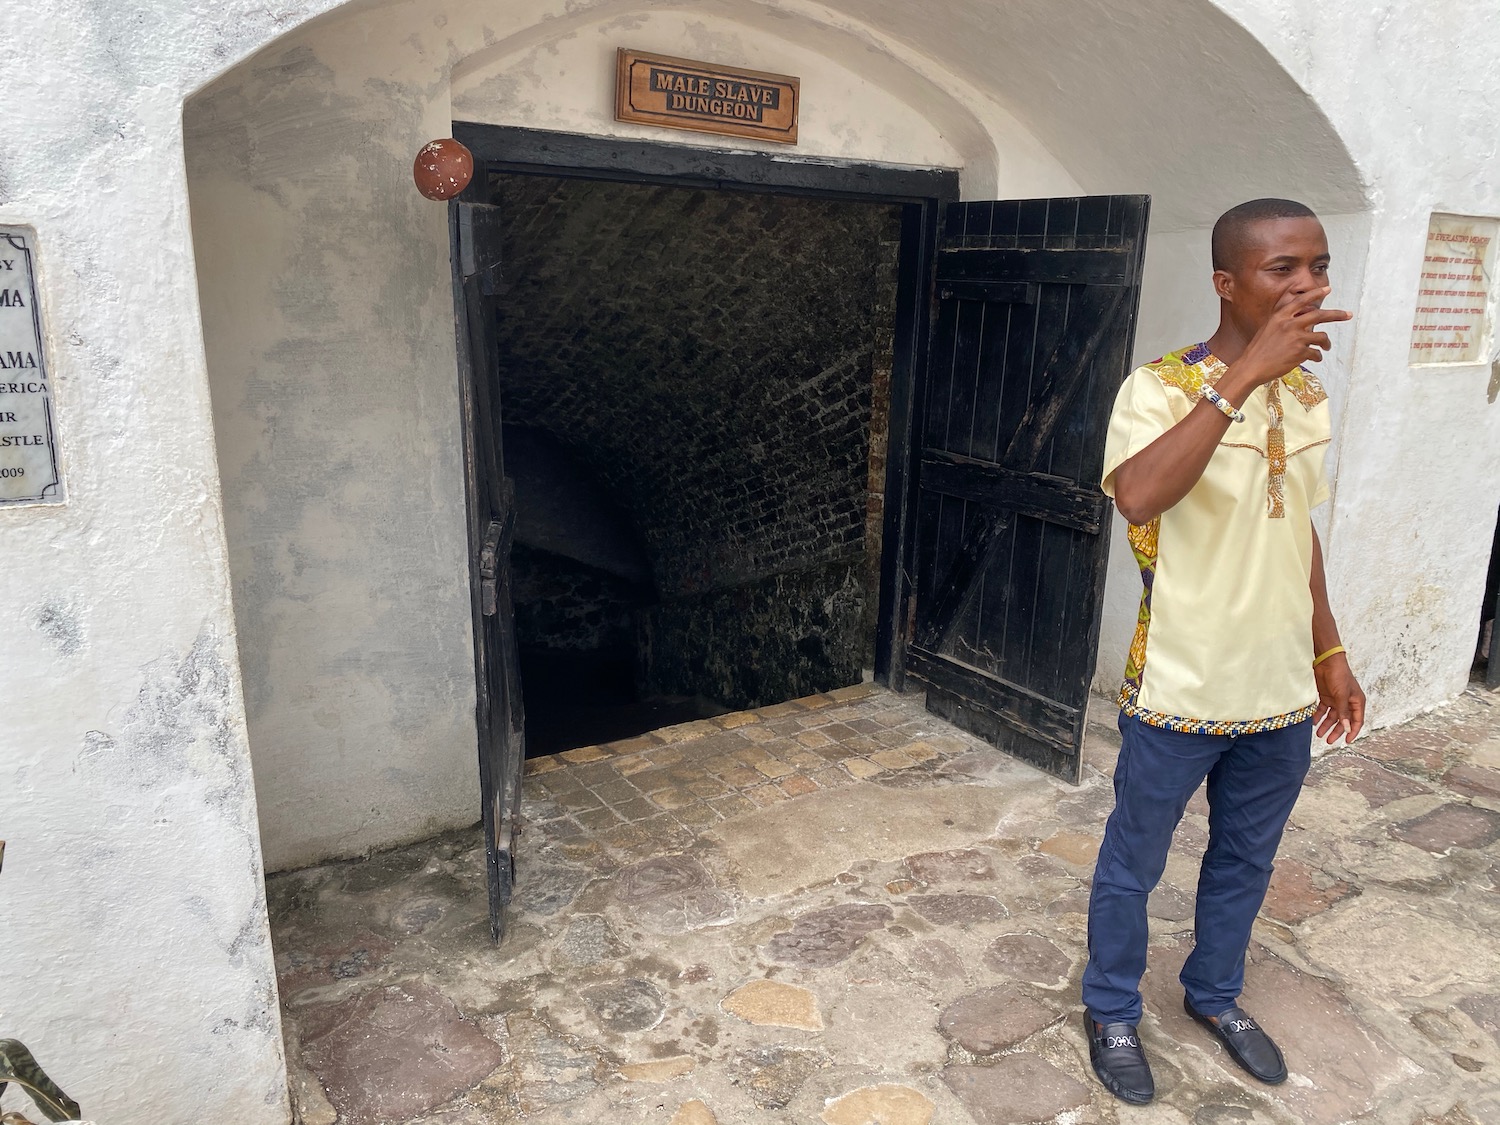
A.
pixel 778 638
pixel 563 605
pixel 712 357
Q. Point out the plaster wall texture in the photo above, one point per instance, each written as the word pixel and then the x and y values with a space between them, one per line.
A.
pixel 328 316
pixel 567 84
pixel 138 960
pixel 124 787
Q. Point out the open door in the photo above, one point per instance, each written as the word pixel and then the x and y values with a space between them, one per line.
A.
pixel 475 236
pixel 1034 324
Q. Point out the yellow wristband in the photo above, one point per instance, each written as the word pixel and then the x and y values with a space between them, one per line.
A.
pixel 1334 651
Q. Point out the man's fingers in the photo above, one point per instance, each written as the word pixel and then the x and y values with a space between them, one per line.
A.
pixel 1321 340
pixel 1356 717
pixel 1328 720
pixel 1310 309
pixel 1340 714
pixel 1335 722
pixel 1322 316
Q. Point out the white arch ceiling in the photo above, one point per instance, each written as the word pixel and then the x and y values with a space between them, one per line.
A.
pixel 1171 97
pixel 1167 96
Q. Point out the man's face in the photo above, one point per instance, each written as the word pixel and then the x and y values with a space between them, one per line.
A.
pixel 1276 256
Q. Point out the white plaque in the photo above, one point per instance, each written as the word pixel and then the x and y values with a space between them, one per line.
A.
pixel 28 451
pixel 1454 299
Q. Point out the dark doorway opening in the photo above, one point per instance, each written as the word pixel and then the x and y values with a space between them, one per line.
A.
pixel 1487 652
pixel 695 384
pixel 1036 294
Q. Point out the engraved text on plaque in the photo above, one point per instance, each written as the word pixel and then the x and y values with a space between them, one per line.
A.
pixel 707 97
pixel 1451 324
pixel 28 451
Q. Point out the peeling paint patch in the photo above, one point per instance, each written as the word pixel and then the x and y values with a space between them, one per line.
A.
pixel 181 723
pixel 59 624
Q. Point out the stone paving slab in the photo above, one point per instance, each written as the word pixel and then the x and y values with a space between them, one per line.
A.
pixel 841 909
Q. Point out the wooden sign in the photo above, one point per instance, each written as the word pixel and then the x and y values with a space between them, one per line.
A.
pixel 682 94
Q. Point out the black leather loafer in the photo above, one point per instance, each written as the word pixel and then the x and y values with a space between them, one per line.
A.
pixel 1117 1058
pixel 1246 1043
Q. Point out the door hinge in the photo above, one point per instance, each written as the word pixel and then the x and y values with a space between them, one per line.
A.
pixel 489 569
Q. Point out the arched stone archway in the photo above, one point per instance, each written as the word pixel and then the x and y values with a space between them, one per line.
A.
pixel 324 287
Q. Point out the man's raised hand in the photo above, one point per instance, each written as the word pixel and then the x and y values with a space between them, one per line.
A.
pixel 1291 336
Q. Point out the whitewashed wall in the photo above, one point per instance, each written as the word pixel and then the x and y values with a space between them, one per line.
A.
pixel 328 316
pixel 137 957
pixel 567 84
pixel 132 915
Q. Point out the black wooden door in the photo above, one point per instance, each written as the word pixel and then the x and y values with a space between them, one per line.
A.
pixel 1035 316
pixel 475 235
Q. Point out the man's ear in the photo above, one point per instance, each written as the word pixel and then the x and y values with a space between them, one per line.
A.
pixel 1224 285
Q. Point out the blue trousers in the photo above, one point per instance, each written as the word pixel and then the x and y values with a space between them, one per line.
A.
pixel 1253 782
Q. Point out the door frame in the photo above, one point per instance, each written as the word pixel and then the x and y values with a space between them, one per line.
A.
pixel 921 193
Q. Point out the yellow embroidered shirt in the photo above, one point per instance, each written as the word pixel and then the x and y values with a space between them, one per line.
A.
pixel 1223 643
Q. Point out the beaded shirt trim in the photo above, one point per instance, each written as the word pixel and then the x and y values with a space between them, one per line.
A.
pixel 1221 727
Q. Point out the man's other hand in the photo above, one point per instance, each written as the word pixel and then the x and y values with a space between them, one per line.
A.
pixel 1341 701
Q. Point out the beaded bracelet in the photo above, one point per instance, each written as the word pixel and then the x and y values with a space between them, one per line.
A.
pixel 1334 651
pixel 1222 405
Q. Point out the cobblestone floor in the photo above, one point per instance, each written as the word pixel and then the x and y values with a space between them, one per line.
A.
pixel 842 910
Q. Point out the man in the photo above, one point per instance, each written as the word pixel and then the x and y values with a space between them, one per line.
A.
pixel 1215 458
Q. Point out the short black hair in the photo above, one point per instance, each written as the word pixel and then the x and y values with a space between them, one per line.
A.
pixel 1229 232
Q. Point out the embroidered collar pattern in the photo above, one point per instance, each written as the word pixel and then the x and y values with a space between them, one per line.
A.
pixel 1197 367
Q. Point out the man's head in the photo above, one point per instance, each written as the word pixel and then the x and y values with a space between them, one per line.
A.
pixel 1262 250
